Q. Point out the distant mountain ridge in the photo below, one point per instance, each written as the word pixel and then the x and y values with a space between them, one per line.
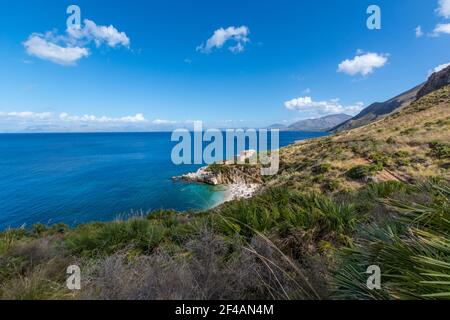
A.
pixel 318 125
pixel 379 110
pixel 277 126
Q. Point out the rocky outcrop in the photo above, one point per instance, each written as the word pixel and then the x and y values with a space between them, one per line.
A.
pixel 225 175
pixel 242 181
pixel 436 81
pixel 201 176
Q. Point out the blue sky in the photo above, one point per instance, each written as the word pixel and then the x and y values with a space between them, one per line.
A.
pixel 273 62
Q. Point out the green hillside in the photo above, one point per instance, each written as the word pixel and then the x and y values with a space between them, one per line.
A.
pixel 376 195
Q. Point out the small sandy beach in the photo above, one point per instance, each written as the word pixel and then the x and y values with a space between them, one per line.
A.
pixel 240 191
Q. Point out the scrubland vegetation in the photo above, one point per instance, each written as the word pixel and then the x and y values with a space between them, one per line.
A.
pixel 377 195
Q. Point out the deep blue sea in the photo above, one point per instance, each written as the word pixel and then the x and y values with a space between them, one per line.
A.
pixel 78 178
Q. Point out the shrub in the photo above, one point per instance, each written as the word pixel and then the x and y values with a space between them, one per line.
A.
pixel 440 150
pixel 403 162
pixel 280 209
pixel 33 269
pixel 216 168
pixel 409 131
pixel 442 122
pixel 363 171
pixel 321 168
pixel 380 159
pixel 402 158
pixel 211 267
pixel 331 185
pixel 374 191
pixel 391 140
pixel 108 238
pixel 318 178
pixel 38 229
pixel 358 172
pixel 38 285
pixel 401 154
pixel 9 237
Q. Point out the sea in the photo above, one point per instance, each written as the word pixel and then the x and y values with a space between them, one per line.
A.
pixel 75 178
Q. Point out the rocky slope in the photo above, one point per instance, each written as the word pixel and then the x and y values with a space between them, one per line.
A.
pixel 409 145
pixel 436 81
pixel 377 110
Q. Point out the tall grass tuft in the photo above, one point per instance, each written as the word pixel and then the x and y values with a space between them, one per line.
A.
pixel 108 238
pixel 280 208
pixel 412 250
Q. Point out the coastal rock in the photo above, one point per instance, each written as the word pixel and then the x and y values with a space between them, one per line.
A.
pixel 241 180
pixel 225 174
pixel 201 176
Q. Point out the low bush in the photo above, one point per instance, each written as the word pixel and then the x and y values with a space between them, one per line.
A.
pixel 108 238
pixel 280 209
pixel 321 168
pixel 391 140
pixel 440 150
pixel 409 131
pixel 363 171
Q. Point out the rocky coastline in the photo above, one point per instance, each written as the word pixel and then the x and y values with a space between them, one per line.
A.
pixel 241 180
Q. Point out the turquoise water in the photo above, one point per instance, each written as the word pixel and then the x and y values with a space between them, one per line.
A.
pixel 78 178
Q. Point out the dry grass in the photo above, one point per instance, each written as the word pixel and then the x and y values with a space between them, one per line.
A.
pixel 401 141
pixel 34 270
pixel 204 271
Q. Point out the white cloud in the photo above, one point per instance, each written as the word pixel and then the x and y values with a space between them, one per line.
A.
pixel 444 8
pixel 307 104
pixel 238 35
pixel 65 117
pixel 64 122
pixel 99 34
pixel 91 118
pixel 237 48
pixel 441 28
pixel 136 118
pixel 438 68
pixel 419 32
pixel 163 122
pixel 67 49
pixel 38 46
pixel 26 115
pixel 364 64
